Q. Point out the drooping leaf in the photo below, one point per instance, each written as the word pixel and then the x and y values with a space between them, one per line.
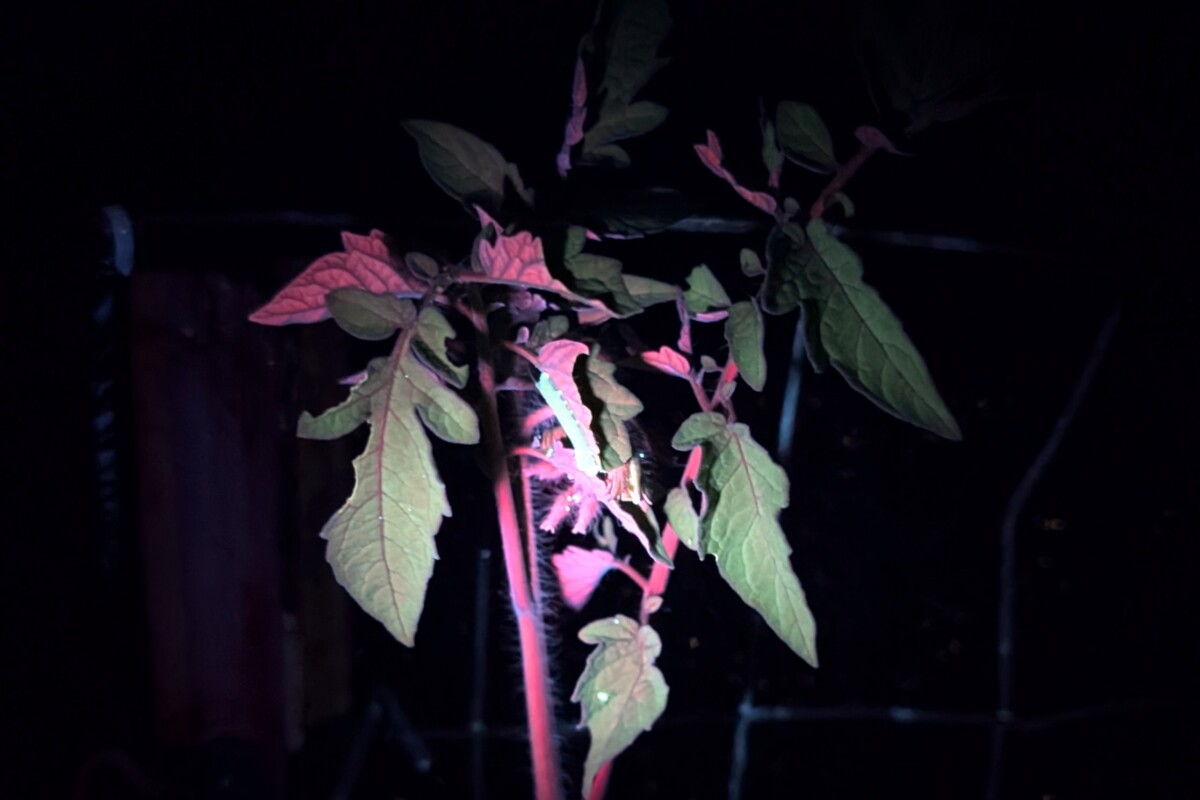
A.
pixel 464 166
pixel 369 316
pixel 557 386
pixel 750 262
pixel 746 491
pixel 612 405
pixel 647 292
pixel 579 573
pixel 669 361
pixel 864 340
pixel 549 329
pixel 624 122
pixel 600 276
pixel 711 156
pixel 803 136
pixel 612 156
pixel 704 291
pixel 744 333
pixel 366 264
pixel 381 541
pixel 621 692
pixel 683 518
pixel 781 291
pixel 433 329
pixel 629 45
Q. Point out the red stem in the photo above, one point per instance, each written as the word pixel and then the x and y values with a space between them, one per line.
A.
pixel 531 633
pixel 844 173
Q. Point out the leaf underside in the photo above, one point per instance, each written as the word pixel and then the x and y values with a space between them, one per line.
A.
pixel 381 542
pixel 746 491
pixel 621 692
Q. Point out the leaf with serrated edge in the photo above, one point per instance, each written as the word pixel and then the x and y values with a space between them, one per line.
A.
pixel 621 692
pixel 365 265
pixel 369 316
pixel 803 136
pixel 611 405
pixel 433 329
pixel 464 166
pixel 682 516
pixel 746 490
pixel 557 386
pixel 381 543
pixel 865 341
pixel 704 291
pixel 744 333
pixel 517 260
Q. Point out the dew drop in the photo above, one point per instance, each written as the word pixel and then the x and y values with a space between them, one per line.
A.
pixel 602 696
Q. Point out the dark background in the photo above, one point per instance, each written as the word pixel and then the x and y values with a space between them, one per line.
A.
pixel 206 121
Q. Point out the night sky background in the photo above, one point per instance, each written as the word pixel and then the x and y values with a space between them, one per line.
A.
pixel 241 138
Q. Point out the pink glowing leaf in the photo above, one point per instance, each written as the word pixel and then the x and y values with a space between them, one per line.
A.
pixel 710 154
pixel 517 260
pixel 573 134
pixel 586 509
pixel 579 573
pixel 556 384
pixel 669 361
pixel 367 264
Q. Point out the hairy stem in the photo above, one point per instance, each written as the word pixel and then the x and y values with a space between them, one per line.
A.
pixel 844 173
pixel 530 630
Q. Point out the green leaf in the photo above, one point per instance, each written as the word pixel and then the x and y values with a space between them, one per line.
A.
pixel 704 291
pixel 421 264
pixel 780 292
pixel 432 332
pixel 810 318
pixel 548 329
pixel 599 276
pixel 611 405
pixel 464 166
pixel 772 155
pixel 744 333
pixel 381 543
pixel 346 416
pixel 683 517
pixel 804 137
pixel 648 292
pixel 369 316
pixel 746 490
pixel 634 32
pixel 865 341
pixel 624 122
pixel 751 264
pixel 612 156
pixel 845 202
pixel 621 692
pixel 698 428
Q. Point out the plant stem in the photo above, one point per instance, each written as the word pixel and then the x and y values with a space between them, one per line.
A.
pixel 531 633
pixel 844 173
